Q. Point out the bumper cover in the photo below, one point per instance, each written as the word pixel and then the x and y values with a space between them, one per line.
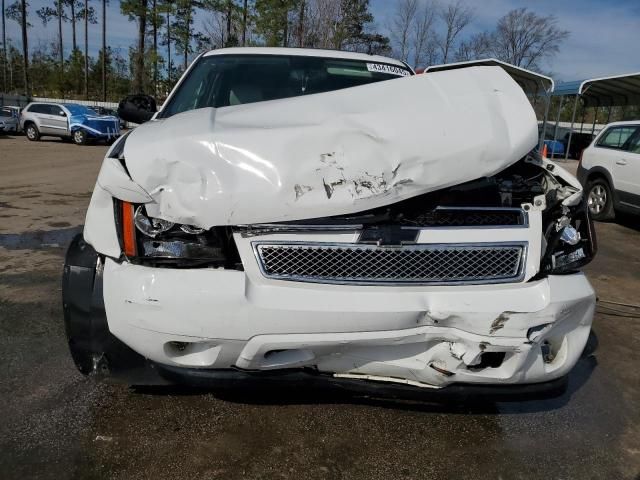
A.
pixel 423 336
pixel 213 327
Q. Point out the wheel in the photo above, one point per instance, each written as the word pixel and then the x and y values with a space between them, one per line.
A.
pixel 32 132
pixel 600 200
pixel 79 137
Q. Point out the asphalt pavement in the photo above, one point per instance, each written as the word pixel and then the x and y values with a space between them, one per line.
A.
pixel 58 424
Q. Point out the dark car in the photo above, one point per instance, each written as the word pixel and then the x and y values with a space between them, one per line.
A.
pixel 579 141
pixel 108 111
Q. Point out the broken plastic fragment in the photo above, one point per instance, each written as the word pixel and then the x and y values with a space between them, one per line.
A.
pixel 570 235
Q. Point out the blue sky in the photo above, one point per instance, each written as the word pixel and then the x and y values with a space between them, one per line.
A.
pixel 604 34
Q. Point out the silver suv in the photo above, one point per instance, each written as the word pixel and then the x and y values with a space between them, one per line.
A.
pixel 68 121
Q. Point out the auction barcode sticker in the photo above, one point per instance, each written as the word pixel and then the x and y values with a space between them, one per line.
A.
pixel 390 69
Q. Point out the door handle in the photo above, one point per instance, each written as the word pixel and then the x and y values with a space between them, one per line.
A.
pixel 622 161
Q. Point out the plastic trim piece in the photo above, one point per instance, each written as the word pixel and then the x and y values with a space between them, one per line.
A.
pixel 94 350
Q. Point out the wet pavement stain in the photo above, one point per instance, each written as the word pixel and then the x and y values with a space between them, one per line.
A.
pixel 39 239
pixel 8 205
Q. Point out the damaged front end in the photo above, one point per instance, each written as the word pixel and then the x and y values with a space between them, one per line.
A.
pixel 407 277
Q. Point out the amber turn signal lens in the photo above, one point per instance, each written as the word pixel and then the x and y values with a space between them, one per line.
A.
pixel 128 230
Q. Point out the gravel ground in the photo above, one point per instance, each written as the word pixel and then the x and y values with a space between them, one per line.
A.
pixel 58 424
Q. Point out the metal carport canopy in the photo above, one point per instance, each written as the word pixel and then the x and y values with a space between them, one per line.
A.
pixel 531 82
pixel 614 91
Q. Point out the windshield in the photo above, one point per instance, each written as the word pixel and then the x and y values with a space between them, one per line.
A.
pixel 225 80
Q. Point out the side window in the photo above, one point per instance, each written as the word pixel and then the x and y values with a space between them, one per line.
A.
pixel 37 108
pixel 634 143
pixel 615 137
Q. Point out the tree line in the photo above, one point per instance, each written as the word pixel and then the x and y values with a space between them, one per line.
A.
pixel 418 32
pixel 166 40
pixel 427 33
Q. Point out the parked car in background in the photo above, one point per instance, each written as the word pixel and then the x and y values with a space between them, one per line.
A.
pixel 108 111
pixel 555 148
pixel 610 170
pixel 579 141
pixel 8 121
pixel 68 121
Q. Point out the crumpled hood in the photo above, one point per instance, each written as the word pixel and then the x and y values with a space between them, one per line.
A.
pixel 332 153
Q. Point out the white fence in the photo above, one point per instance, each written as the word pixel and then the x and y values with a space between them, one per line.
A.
pixel 577 127
pixel 88 103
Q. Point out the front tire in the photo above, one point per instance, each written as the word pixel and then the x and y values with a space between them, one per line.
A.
pixel 32 132
pixel 600 200
pixel 79 137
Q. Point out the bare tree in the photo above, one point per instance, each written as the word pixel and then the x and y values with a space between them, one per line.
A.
pixel 25 46
pixel 156 21
pixel 57 12
pixel 75 10
pixel 301 29
pixel 321 17
pixel 104 50
pixel 214 25
pixel 167 8
pixel 455 17
pixel 17 12
pixel 4 51
pixel 400 25
pixel 476 47
pixel 523 38
pixel 245 10
pixel 86 49
pixel 424 45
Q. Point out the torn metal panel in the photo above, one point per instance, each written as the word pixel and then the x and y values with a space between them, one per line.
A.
pixel 332 153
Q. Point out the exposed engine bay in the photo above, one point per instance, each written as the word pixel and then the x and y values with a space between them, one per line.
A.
pixel 501 200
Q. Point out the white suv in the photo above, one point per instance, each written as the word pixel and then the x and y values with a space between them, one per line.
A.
pixel 610 170
pixel 331 216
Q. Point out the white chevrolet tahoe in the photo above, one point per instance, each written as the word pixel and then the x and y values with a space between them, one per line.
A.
pixel 330 216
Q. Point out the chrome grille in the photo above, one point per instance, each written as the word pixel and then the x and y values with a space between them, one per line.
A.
pixel 371 264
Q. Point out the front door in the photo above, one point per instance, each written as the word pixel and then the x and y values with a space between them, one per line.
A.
pixel 58 120
pixel 627 170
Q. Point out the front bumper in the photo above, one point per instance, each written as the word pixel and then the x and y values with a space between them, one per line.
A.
pixel 215 319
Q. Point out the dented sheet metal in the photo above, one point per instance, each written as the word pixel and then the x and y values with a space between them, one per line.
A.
pixel 332 153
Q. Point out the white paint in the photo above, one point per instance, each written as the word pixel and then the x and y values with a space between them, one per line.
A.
pixel 304 52
pixel 337 153
pixel 333 153
pixel 382 331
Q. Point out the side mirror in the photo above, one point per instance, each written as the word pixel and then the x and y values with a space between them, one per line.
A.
pixel 62 114
pixel 137 108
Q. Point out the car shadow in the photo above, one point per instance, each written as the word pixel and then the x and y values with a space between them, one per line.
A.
pixel 628 220
pixel 397 397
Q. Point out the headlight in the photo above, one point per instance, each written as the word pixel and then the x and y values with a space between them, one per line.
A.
pixel 156 241
pixel 571 242
pixel 151 227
